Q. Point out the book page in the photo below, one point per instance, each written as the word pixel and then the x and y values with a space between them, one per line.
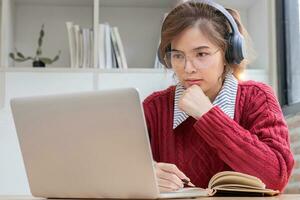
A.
pixel 229 177
pixel 246 192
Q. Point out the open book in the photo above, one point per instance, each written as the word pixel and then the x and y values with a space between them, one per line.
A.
pixel 230 183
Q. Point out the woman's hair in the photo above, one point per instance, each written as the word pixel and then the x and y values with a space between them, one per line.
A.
pixel 212 23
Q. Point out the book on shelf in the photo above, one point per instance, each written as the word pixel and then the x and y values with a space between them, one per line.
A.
pixel 81 46
pixel 92 46
pixel 72 43
pixel 111 50
pixel 78 44
pixel 108 47
pixel 101 46
pixel 229 183
pixel 116 32
pixel 80 49
pixel 85 34
pixel 116 49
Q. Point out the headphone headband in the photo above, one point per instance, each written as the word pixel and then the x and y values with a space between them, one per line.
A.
pixel 236 50
pixel 228 16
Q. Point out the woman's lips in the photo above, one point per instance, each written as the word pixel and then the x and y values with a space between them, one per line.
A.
pixel 194 81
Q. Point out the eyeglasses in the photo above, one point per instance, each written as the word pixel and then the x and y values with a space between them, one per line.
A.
pixel 199 58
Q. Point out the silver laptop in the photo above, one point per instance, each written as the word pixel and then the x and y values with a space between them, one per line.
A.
pixel 88 145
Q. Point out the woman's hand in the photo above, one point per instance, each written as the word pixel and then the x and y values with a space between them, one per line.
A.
pixel 194 102
pixel 169 177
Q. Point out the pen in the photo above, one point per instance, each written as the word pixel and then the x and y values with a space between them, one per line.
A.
pixel 187 183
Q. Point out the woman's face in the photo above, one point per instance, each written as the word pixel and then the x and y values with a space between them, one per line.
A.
pixel 196 60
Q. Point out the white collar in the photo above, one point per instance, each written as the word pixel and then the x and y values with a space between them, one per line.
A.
pixel 225 99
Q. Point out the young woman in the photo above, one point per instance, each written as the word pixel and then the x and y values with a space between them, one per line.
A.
pixel 211 122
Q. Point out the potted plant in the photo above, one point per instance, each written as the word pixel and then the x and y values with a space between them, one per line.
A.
pixel 38 60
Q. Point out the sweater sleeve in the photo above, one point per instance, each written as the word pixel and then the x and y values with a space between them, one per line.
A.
pixel 261 149
pixel 150 116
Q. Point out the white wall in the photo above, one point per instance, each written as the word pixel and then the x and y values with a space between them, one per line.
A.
pixel 258 29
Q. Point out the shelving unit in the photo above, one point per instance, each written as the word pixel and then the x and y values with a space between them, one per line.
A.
pixel 139 23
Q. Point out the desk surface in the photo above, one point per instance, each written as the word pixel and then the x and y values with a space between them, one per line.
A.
pixel 279 197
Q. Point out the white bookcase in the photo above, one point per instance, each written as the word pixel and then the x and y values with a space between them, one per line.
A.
pixel 139 24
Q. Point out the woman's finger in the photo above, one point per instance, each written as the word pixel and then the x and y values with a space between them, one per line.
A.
pixel 165 189
pixel 171 168
pixel 167 184
pixel 170 177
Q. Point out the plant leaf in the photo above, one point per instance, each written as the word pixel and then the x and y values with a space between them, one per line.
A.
pixel 40 42
pixel 20 55
pixel 20 60
pixel 56 57
pixel 42 33
pixel 39 51
pixel 12 55
pixel 46 60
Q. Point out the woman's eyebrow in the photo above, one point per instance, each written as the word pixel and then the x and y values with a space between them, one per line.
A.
pixel 195 49
pixel 176 50
pixel 201 48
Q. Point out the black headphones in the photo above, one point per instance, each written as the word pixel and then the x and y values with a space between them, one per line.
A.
pixel 235 53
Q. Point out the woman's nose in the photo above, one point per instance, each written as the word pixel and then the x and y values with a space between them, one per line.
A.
pixel 189 66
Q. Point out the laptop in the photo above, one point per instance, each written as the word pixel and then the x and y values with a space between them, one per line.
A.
pixel 88 145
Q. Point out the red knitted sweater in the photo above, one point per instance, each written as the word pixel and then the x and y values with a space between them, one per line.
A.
pixel 255 142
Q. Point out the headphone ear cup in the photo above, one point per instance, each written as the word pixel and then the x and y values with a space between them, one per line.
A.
pixel 235 52
pixel 228 54
pixel 238 49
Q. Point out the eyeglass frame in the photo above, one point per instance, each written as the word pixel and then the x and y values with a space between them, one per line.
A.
pixel 186 58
